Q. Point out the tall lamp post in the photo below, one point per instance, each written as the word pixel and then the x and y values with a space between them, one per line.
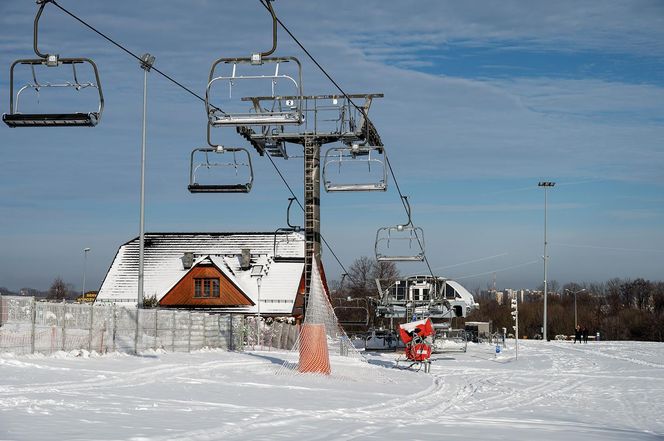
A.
pixel 575 293
pixel 545 185
pixel 147 61
pixel 85 268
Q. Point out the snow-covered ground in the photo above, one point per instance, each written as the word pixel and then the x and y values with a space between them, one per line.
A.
pixel 554 391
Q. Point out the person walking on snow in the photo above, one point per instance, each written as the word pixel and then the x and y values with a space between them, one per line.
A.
pixel 577 334
pixel 585 335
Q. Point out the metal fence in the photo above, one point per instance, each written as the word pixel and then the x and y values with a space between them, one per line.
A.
pixel 29 326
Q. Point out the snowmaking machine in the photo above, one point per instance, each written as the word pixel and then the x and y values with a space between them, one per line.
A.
pixel 415 335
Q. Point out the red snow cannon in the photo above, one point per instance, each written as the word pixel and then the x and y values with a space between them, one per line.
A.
pixel 413 335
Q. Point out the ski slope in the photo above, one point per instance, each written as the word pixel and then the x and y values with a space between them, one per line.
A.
pixel 554 391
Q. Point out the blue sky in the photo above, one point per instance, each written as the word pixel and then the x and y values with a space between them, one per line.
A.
pixel 482 101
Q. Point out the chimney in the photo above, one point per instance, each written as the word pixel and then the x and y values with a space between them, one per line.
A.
pixel 245 259
pixel 187 260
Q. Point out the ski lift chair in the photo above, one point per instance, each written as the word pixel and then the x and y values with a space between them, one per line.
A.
pixel 201 160
pixel 15 118
pixel 289 229
pixel 352 156
pixel 286 107
pixel 401 242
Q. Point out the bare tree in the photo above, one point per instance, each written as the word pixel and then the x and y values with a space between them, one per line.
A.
pixel 386 272
pixel 58 289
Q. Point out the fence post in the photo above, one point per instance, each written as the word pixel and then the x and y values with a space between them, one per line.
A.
pixel 189 334
pixel 137 329
pixel 204 330
pixel 114 320
pixel 173 332
pixel 90 330
pixel 33 319
pixel 156 327
pixel 64 325
pixel 281 331
pixel 229 337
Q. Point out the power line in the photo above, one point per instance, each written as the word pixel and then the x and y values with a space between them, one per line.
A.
pixel 532 262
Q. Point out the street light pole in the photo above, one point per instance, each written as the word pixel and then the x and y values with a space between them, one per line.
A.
pixel 575 293
pixel 545 184
pixel 259 279
pixel 147 61
pixel 85 268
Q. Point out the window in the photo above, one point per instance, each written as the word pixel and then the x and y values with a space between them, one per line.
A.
pixel 208 287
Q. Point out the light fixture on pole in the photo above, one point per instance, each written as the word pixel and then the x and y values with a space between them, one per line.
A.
pixel 85 268
pixel 545 185
pixel 257 272
pixel 575 293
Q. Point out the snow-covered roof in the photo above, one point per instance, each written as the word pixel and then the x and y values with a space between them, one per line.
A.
pixel 163 266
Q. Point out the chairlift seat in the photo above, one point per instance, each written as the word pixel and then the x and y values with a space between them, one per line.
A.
pixel 232 188
pixel 256 119
pixel 377 186
pixel 51 119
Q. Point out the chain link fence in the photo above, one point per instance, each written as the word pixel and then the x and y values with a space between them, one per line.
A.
pixel 28 326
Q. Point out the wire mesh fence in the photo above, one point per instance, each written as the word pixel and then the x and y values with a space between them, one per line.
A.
pixel 28 326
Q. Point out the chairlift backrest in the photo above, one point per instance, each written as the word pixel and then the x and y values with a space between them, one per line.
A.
pixel 285 93
pixel 16 118
pixel 207 163
pixel 355 167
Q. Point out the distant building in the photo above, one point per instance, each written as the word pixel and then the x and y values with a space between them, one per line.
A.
pixel 88 297
pixel 212 271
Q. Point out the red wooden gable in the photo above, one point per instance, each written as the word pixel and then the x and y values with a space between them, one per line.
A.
pixel 182 294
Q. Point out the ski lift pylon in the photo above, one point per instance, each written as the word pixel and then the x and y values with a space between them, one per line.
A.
pixel 352 157
pixel 15 118
pixel 398 242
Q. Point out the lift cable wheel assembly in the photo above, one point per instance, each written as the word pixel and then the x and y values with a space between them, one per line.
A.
pixel 15 118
